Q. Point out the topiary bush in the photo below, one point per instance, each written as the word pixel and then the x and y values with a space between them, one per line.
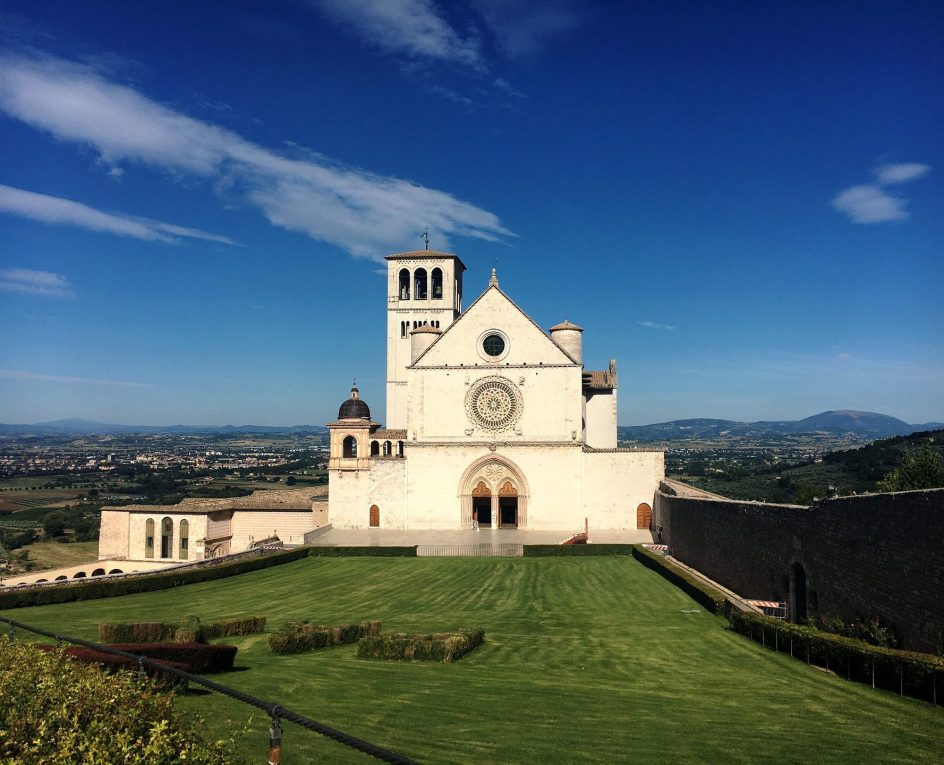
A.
pixel 302 636
pixel 110 663
pixel 204 658
pixel 141 632
pixel 56 710
pixel 188 631
pixel 445 646
pixel 245 625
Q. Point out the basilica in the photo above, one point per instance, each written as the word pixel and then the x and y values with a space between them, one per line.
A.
pixel 491 421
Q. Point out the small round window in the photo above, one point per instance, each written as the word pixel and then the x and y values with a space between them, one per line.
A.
pixel 494 345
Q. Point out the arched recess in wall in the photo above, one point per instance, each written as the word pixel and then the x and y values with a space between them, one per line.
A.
pixel 167 538
pixel 404 290
pixel 349 446
pixel 184 543
pixel 387 449
pixel 149 538
pixel 375 448
pixel 643 516
pixel 374 517
pixel 506 501
pixel 419 284
pixel 98 572
pixel 436 283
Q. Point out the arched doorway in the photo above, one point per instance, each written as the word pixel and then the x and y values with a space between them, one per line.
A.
pixel 374 516
pixel 798 601
pixel 493 492
pixel 643 516
pixel 508 506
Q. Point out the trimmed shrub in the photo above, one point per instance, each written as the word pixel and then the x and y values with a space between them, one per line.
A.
pixel 566 551
pixel 85 715
pixel 245 625
pixel 713 600
pixel 905 672
pixel 310 637
pixel 111 663
pixel 142 632
pixel 205 659
pixel 362 552
pixel 444 646
pixel 91 589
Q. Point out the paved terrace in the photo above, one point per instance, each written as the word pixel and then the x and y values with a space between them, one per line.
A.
pixel 332 537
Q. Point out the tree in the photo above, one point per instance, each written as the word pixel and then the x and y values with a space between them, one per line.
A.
pixel 290 481
pixel 54 525
pixel 921 468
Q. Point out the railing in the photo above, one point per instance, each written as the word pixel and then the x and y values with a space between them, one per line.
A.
pixel 276 712
pixel 470 551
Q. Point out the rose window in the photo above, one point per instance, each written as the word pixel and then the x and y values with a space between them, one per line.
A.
pixel 494 404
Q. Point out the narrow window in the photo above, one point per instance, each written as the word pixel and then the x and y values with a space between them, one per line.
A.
pixel 402 329
pixel 350 447
pixel 399 448
pixel 419 284
pixel 149 538
pixel 437 283
pixel 184 550
pixel 167 538
pixel 374 448
pixel 404 284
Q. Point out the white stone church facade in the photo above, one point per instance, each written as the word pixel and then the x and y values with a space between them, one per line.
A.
pixel 492 422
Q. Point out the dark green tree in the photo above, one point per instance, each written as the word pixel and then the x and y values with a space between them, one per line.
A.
pixel 921 468
pixel 54 525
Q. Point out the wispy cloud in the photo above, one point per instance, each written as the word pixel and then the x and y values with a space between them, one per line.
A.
pixel 415 28
pixel 364 213
pixel 18 374
pixel 57 210
pixel 524 28
pixel 32 282
pixel 872 202
pixel 654 325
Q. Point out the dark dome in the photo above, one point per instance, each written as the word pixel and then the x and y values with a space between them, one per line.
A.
pixel 354 408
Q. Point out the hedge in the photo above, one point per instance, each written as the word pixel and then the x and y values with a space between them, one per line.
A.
pixel 106 588
pixel 703 594
pixel 110 662
pixel 189 631
pixel 309 637
pixel 563 551
pixel 362 552
pixel 444 647
pixel 905 672
pixel 205 659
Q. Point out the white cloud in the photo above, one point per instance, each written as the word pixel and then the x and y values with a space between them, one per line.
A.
pixel 871 202
pixel 507 88
pixel 415 28
pixel 18 374
pixel 32 282
pixel 901 172
pixel 364 213
pixel 524 28
pixel 654 325
pixel 57 210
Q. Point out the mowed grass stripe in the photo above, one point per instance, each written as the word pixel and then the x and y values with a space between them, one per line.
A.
pixel 586 660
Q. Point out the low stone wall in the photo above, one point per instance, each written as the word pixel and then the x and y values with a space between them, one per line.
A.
pixel 870 555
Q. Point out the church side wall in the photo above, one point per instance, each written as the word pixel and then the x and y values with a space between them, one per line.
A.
pixel 872 555
pixel 601 420
pixel 113 539
pixel 347 496
pixel 387 490
pixel 255 525
pixel 616 483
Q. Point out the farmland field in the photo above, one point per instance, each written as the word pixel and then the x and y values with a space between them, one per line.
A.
pixel 586 660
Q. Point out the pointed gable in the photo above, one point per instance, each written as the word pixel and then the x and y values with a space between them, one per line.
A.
pixel 493 313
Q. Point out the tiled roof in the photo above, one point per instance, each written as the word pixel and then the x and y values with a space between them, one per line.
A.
pixel 392 434
pixel 598 380
pixel 427 329
pixel 266 499
pixel 566 325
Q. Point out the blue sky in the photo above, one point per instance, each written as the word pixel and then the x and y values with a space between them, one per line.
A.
pixel 741 202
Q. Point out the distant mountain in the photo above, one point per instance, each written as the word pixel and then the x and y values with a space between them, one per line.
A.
pixel 866 425
pixel 75 426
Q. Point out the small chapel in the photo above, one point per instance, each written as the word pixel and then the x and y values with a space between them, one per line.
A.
pixel 492 422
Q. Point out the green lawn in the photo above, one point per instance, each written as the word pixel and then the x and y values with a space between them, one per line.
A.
pixel 57 554
pixel 586 660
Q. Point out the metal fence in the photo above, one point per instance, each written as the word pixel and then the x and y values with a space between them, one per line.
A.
pixel 276 712
pixel 470 551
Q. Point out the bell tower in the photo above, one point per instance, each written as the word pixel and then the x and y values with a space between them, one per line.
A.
pixel 424 289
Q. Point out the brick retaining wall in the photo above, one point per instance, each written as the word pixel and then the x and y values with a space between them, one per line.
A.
pixel 870 555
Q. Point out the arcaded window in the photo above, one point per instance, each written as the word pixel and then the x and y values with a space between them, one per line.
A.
pixel 404 284
pixel 437 283
pixel 350 446
pixel 184 548
pixel 419 284
pixel 375 448
pixel 167 538
pixel 399 448
pixel 387 449
pixel 149 538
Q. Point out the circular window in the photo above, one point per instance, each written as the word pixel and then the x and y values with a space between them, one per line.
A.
pixel 494 345
pixel 494 404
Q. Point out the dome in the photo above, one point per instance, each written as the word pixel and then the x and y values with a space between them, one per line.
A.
pixel 354 408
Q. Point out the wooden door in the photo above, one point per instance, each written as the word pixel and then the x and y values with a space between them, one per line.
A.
pixel 643 516
pixel 374 516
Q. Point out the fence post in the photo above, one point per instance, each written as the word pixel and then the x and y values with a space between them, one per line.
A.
pixel 275 742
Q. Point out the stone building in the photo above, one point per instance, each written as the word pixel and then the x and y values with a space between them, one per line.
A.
pixel 491 420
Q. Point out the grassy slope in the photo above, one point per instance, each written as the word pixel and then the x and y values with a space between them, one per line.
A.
pixel 586 660
pixel 56 555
